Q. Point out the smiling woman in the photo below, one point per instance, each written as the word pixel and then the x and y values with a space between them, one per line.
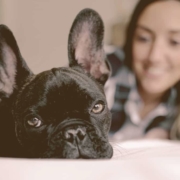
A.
pixel 156 48
pixel 145 87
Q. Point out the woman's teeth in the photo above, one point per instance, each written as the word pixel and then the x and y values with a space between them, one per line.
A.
pixel 155 71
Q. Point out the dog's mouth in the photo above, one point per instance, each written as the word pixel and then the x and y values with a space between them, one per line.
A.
pixel 77 139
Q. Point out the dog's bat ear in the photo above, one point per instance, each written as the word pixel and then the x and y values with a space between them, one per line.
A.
pixel 85 45
pixel 13 69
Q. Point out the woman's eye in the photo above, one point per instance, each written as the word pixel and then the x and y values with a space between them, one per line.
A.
pixel 34 122
pixel 98 108
pixel 142 39
pixel 174 42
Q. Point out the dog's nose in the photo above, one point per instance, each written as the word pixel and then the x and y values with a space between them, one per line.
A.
pixel 71 134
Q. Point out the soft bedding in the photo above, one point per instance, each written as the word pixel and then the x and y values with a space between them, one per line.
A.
pixel 132 160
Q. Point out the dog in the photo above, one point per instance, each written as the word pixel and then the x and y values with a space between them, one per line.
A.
pixel 58 113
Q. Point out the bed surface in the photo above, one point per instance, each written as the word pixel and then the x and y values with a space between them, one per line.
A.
pixel 140 159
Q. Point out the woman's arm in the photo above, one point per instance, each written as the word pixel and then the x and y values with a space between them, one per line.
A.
pixel 157 133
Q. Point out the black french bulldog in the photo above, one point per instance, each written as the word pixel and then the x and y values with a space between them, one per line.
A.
pixel 60 113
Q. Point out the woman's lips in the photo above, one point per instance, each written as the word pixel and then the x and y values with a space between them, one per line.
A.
pixel 155 71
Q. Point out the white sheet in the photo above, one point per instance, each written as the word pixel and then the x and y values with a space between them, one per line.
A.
pixel 132 160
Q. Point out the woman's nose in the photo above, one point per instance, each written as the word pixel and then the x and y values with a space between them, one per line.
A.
pixel 157 52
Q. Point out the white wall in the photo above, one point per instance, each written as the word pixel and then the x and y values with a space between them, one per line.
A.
pixel 41 26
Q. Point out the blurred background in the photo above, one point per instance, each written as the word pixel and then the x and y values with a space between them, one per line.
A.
pixel 41 27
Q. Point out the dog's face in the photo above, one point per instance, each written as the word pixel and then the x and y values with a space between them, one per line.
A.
pixel 60 113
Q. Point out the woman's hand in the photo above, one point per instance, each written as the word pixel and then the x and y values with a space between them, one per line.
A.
pixel 157 133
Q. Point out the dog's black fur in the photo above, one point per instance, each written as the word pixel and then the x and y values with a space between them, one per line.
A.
pixel 60 113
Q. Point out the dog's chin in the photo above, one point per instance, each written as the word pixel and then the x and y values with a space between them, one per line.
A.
pixel 96 148
pixel 104 152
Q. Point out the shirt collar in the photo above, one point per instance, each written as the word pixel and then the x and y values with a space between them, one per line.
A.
pixel 134 103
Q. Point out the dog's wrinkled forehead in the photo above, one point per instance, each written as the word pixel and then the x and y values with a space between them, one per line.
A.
pixel 61 85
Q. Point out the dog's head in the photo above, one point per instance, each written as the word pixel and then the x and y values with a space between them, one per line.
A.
pixel 60 113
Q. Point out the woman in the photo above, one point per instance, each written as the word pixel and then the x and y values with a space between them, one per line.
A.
pixel 145 87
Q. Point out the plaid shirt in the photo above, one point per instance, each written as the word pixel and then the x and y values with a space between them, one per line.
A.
pixel 124 101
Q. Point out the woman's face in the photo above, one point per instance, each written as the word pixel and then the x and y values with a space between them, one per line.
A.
pixel 156 47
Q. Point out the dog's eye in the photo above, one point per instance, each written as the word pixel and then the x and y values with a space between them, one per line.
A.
pixel 35 122
pixel 98 108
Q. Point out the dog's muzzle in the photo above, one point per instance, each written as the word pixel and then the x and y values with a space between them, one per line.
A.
pixel 73 130
pixel 76 138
